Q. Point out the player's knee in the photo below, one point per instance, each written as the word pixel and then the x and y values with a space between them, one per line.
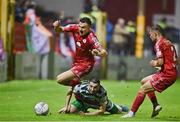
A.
pixel 143 81
pixel 142 90
pixel 62 81
pixel 59 79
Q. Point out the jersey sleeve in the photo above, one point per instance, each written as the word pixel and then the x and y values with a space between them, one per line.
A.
pixel 95 42
pixel 77 89
pixel 104 97
pixel 71 28
pixel 159 51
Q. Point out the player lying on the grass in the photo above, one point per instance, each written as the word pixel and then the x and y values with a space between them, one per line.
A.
pixel 166 60
pixel 91 94
pixel 87 46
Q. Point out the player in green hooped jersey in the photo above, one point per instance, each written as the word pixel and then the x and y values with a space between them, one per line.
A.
pixel 91 94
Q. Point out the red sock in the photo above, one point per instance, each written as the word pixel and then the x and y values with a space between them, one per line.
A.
pixel 153 98
pixel 138 101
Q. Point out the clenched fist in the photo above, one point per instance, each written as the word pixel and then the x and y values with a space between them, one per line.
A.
pixel 56 23
pixel 95 52
pixel 57 26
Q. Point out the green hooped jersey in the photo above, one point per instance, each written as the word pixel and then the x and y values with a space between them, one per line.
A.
pixel 82 94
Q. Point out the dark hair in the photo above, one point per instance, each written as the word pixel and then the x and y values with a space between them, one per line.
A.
pixel 158 28
pixel 86 20
pixel 94 80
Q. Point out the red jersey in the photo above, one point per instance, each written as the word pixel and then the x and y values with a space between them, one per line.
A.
pixel 164 49
pixel 85 45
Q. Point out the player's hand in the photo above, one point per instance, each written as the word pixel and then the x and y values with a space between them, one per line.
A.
pixel 95 52
pixel 57 26
pixel 153 63
pixel 56 23
pixel 81 113
pixel 64 110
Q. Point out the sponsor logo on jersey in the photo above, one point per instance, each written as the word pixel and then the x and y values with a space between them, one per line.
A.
pixel 84 41
pixel 78 44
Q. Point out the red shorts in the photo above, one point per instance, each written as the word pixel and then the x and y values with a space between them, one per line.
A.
pixel 160 81
pixel 80 69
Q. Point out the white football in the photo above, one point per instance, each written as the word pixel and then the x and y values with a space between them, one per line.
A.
pixel 41 108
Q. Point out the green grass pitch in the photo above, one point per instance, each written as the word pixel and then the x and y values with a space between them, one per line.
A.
pixel 17 100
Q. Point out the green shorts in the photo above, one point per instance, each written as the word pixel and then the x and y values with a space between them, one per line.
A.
pixel 81 107
pixel 113 110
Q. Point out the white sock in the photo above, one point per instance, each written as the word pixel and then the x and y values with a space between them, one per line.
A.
pixel 131 113
pixel 119 108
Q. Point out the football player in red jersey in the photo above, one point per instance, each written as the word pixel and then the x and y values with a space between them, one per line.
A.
pixel 87 46
pixel 166 61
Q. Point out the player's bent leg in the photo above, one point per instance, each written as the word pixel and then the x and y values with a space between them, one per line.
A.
pixel 73 109
pixel 114 109
pixel 77 106
pixel 122 108
pixel 151 95
pixel 144 89
pixel 144 80
pixel 65 77
pixel 147 89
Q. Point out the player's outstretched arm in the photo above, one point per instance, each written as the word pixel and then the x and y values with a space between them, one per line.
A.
pixel 101 111
pixel 57 26
pixel 66 109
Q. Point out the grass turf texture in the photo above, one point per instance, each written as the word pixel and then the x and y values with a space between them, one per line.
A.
pixel 17 100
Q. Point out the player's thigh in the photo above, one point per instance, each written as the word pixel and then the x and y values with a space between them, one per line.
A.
pixel 147 87
pixel 77 106
pixel 82 69
pixel 66 76
pixel 73 109
pixel 148 78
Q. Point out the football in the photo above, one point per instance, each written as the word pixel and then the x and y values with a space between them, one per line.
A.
pixel 41 108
